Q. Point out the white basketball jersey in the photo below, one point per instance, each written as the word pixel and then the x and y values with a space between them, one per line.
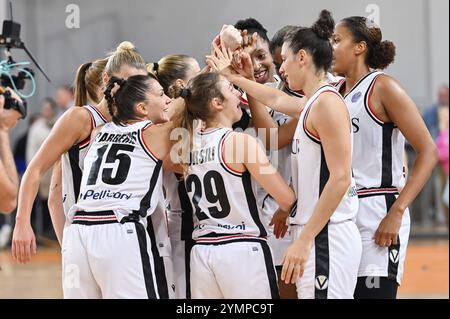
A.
pixel 310 172
pixel 72 162
pixel 283 155
pixel 280 159
pixel 223 200
pixel 378 156
pixel 120 173
pixel 171 192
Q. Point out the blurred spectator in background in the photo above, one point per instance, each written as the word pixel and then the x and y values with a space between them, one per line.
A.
pixel 436 116
pixel 37 134
pixel 20 148
pixel 64 98
pixel 442 144
pixel 432 208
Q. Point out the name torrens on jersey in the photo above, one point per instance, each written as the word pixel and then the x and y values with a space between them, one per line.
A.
pixel 126 138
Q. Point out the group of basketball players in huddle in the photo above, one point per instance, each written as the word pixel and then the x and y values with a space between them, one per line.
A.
pixel 278 170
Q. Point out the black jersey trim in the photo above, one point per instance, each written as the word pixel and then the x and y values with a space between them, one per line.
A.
pixel 251 202
pixel 158 262
pixel 324 172
pixel 209 132
pixel 237 239
pixel 144 146
pixel 367 102
pixel 77 174
pixel 270 269
pixel 188 244
pixel 312 137
pixel 222 160
pixel 146 200
pixel 87 140
pixel 322 269
pixel 393 250
pixel 386 157
pixel 145 259
pixel 187 217
pixel 357 83
pixel 99 113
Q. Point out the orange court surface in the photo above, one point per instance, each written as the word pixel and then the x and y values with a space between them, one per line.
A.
pixel 426 273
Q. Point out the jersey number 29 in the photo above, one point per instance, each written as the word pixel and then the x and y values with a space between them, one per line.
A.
pixel 215 193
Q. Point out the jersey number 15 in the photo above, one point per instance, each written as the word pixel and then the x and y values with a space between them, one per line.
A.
pixel 113 155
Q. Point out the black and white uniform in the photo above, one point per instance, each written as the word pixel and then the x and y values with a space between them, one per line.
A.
pixel 231 257
pixel 107 252
pixel 281 160
pixel 72 162
pixel 332 267
pixel 158 230
pixel 180 220
pixel 378 167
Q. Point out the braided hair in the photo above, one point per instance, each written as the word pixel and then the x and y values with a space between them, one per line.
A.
pixel 122 99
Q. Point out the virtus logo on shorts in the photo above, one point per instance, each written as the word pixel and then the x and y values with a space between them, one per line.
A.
pixel 321 282
pixel 394 256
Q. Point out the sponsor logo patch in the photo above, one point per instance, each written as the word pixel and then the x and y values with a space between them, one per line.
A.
pixel 356 97
pixel 321 282
pixel 394 255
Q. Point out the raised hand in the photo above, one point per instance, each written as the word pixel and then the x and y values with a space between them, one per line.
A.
pixel 215 43
pixel 221 60
pixel 243 65
pixel 230 38
pixel 248 40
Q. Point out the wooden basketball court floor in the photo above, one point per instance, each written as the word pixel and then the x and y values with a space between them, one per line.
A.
pixel 426 273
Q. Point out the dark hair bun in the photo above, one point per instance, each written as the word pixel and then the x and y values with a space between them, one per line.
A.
pixel 324 27
pixel 382 55
pixel 249 23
